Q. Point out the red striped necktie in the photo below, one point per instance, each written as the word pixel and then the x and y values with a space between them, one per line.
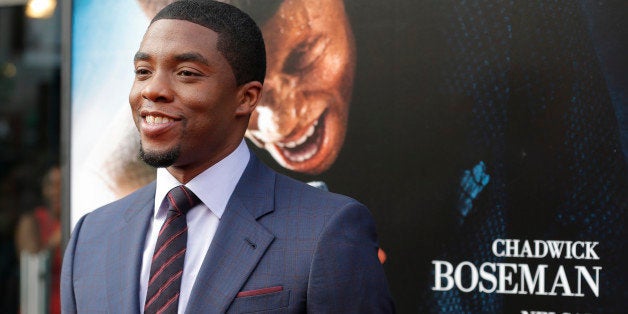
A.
pixel 166 267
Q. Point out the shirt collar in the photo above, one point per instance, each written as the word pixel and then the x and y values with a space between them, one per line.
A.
pixel 213 186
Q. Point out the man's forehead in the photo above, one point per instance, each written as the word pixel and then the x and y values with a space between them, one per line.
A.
pixel 188 56
pixel 177 36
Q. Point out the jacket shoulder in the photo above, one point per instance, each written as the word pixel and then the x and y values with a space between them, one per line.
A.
pixel 291 191
pixel 120 208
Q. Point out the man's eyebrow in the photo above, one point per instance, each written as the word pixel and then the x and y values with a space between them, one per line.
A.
pixel 184 57
pixel 141 56
pixel 191 57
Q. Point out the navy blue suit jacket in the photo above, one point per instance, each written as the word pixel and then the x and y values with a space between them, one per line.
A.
pixel 281 247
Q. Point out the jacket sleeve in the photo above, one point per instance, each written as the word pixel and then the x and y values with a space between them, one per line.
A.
pixel 346 275
pixel 68 302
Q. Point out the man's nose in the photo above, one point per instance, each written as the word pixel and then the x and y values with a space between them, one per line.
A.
pixel 278 109
pixel 158 88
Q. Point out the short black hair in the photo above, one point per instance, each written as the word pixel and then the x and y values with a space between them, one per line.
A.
pixel 239 38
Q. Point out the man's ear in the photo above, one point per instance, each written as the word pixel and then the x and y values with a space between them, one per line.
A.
pixel 249 95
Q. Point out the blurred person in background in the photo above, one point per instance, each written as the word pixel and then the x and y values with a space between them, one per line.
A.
pixel 40 230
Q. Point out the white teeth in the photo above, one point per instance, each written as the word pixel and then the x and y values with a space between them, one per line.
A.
pixel 303 157
pixel 157 120
pixel 306 156
pixel 301 140
pixel 309 132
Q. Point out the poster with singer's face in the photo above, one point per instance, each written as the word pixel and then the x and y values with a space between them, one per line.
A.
pixel 488 139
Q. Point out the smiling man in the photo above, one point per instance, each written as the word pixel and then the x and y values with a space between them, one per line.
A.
pixel 218 231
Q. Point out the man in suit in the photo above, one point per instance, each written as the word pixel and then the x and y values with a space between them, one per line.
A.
pixel 257 241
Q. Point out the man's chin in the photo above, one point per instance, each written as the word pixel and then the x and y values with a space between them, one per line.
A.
pixel 159 159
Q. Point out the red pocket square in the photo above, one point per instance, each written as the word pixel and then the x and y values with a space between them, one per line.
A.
pixel 259 291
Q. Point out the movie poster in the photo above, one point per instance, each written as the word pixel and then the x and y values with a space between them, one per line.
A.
pixel 489 139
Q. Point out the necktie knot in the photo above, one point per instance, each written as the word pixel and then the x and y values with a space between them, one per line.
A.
pixel 181 199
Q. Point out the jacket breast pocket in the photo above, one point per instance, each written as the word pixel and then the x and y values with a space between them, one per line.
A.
pixel 275 302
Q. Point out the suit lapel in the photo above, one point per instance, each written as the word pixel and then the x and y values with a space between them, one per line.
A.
pixel 124 254
pixel 239 243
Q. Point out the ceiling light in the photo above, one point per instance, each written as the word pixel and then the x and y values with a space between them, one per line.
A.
pixel 40 9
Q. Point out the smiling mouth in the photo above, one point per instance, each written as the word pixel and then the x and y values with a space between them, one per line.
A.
pixel 305 147
pixel 156 124
pixel 154 119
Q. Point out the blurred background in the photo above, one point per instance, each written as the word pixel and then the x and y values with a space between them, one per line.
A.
pixel 30 66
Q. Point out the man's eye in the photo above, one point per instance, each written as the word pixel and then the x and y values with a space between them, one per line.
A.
pixel 187 73
pixel 305 55
pixel 141 72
